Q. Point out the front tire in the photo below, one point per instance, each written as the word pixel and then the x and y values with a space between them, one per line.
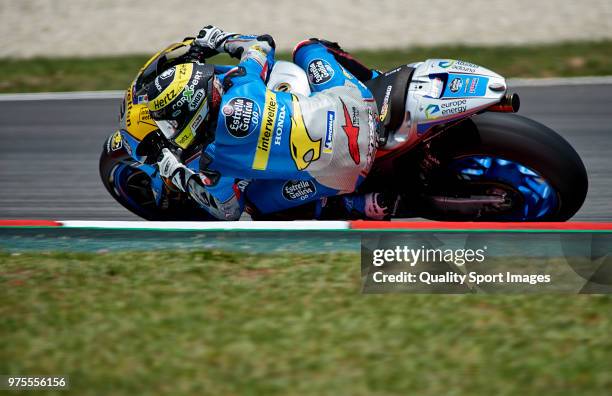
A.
pixel 131 187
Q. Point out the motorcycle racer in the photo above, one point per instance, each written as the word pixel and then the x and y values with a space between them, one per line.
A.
pixel 312 150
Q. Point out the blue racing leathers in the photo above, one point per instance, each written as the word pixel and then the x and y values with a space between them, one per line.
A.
pixel 276 150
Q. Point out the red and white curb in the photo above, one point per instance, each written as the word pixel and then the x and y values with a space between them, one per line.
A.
pixel 312 225
pixel 183 225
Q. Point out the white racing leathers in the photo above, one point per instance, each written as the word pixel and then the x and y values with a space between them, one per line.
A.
pixel 345 124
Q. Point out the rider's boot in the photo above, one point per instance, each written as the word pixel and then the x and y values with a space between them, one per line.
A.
pixel 368 206
pixel 372 206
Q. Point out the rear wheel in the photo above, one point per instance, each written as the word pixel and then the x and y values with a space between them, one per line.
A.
pixel 504 167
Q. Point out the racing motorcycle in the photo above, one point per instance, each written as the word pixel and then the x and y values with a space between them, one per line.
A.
pixel 450 141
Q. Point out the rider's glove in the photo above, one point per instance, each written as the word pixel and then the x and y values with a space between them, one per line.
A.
pixel 172 169
pixel 212 38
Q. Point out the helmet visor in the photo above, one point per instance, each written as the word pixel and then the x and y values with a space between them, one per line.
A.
pixel 168 128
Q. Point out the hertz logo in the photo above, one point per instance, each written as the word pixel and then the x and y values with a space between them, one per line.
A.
pixel 162 101
pixel 178 84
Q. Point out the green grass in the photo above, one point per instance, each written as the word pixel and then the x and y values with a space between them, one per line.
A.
pixel 110 73
pixel 217 323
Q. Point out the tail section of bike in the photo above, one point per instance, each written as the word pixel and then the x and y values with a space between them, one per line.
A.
pixel 454 158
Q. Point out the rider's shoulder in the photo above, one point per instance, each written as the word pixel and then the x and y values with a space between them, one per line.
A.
pixel 249 91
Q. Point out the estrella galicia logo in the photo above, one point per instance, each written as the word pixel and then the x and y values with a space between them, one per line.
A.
pixel 329 132
pixel 446 64
pixel 319 71
pixel 431 110
pixel 302 190
pixel 455 85
pixel 241 116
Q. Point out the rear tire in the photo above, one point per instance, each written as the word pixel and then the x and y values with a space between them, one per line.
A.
pixel 513 138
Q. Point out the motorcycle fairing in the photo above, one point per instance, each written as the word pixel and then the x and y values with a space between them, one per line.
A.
pixel 443 91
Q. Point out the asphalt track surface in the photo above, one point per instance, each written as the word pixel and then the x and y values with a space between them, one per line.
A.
pixel 49 151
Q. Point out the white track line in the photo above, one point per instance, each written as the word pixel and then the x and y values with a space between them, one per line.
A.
pixel 210 226
pixel 512 83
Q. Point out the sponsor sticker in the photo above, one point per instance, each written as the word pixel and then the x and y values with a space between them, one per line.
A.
pixel 144 117
pixel 241 116
pixel 465 85
pixel 167 74
pixel 301 190
pixel 453 107
pixel 431 111
pixel 387 74
pixel 196 100
pixel 195 124
pixel 329 132
pixel 171 92
pixel 385 106
pixel 266 132
pixel 351 129
pixel 242 185
pixel 164 99
pixel 185 98
pixel 319 71
pixel 474 85
pixel 280 123
pixel 458 65
pixel 446 64
pixel 455 85
pixel 115 142
pixel 303 149
pixel 185 138
pixel 372 139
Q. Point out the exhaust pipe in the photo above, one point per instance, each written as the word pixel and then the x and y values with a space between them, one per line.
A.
pixel 510 103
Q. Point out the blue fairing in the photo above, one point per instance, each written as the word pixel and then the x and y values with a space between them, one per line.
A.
pixel 539 197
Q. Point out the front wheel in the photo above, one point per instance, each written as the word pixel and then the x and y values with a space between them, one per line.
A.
pixel 504 167
pixel 131 187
